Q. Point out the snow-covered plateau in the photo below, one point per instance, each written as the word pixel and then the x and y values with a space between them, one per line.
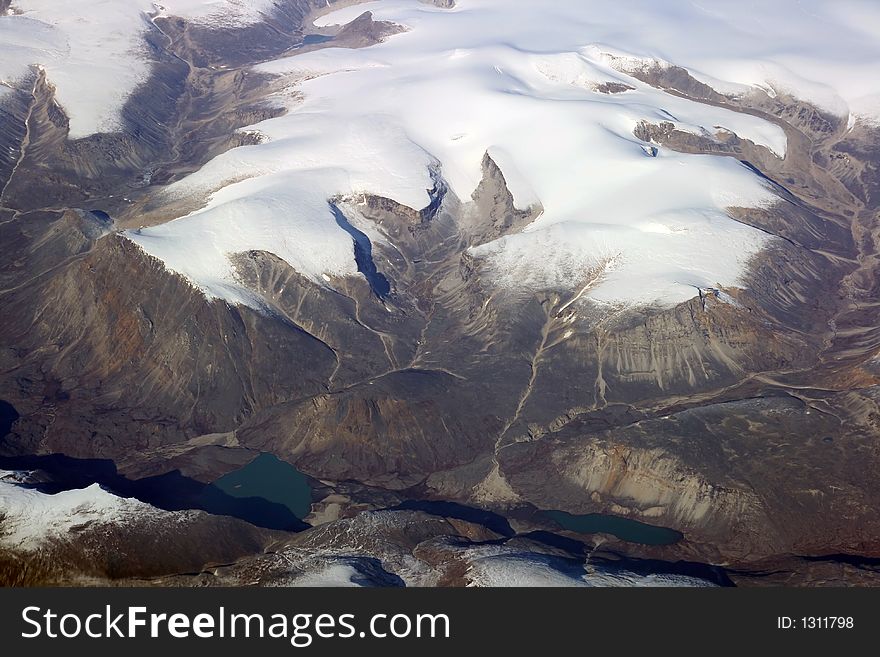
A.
pixel 523 81
pixel 518 80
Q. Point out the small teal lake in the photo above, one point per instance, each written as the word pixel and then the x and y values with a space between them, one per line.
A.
pixel 271 479
pixel 313 39
pixel 625 529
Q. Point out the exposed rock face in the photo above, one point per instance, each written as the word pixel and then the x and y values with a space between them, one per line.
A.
pixel 686 470
pixel 745 418
pixel 392 431
pixel 140 359
pixel 494 212
pixel 364 31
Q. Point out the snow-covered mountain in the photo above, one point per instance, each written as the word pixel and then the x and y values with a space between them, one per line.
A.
pixel 30 519
pixel 91 535
pixel 528 83
pixel 95 52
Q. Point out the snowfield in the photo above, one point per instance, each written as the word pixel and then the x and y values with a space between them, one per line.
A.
pixel 94 51
pixel 519 79
pixel 530 572
pixel 25 42
pixel 503 566
pixel 506 78
pixel 338 575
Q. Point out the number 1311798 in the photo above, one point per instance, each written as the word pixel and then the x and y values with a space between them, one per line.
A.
pixel 815 623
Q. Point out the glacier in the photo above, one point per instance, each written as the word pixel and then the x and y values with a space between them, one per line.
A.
pixel 485 77
pixel 516 79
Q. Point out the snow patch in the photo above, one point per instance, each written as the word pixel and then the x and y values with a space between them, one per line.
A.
pixel 506 567
pixel 217 13
pixel 29 518
pixel 342 575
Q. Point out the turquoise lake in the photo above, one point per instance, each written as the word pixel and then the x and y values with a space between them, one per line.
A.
pixel 625 529
pixel 270 480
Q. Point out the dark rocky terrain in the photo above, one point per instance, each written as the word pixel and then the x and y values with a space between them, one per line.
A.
pixel 752 428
